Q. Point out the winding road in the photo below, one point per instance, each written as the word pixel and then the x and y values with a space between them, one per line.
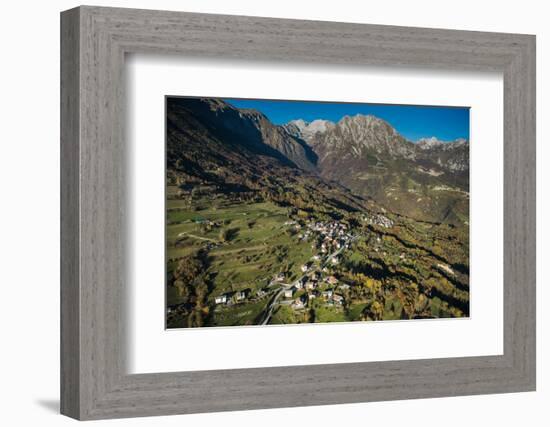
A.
pixel 285 286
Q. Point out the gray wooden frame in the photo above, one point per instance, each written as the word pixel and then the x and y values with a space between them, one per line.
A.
pixel 94 41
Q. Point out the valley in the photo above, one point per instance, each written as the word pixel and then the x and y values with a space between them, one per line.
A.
pixel 257 232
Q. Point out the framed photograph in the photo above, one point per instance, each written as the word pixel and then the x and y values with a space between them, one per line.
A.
pixel 276 213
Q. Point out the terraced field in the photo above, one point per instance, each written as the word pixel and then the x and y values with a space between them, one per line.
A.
pixel 410 269
pixel 259 247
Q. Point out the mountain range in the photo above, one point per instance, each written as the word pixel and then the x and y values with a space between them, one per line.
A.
pixel 427 180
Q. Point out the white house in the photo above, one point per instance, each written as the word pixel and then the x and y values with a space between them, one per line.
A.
pixel 328 293
pixel 310 285
pixel 288 293
pixel 222 299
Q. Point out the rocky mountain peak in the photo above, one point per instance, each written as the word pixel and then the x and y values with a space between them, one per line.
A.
pixel 367 127
pixel 427 143
pixel 307 130
pixel 434 143
pixel 358 135
pixel 363 119
pixel 320 125
pixel 253 115
pixel 457 143
pixel 361 152
pixel 450 155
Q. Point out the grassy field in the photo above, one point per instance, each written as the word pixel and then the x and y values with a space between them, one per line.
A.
pixel 243 245
pixel 258 248
pixel 241 314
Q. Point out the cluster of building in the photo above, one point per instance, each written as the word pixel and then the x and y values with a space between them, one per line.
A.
pixel 332 235
pixel 312 279
pixel 232 297
pixel 315 286
pixel 378 219
pixel 206 221
pixel 329 238
pixel 329 295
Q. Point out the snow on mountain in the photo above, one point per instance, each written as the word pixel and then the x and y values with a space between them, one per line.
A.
pixel 427 143
pixel 307 130
pixel 319 125
pixel 433 142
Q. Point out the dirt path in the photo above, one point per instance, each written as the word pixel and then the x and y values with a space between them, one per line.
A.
pixel 196 237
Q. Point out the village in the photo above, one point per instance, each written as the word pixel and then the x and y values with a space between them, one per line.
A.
pixel 304 276
pixel 317 281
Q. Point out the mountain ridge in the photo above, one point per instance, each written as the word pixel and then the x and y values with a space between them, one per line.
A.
pixel 427 180
pixel 250 128
pixel 368 155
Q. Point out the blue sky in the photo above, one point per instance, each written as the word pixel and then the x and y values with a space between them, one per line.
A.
pixel 411 121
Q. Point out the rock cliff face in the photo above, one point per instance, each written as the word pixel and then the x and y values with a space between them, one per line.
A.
pixel 246 128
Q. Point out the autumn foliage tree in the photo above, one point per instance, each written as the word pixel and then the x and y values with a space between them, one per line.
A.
pixel 191 282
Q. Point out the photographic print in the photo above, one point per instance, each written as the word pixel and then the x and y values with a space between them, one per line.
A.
pixel 289 212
